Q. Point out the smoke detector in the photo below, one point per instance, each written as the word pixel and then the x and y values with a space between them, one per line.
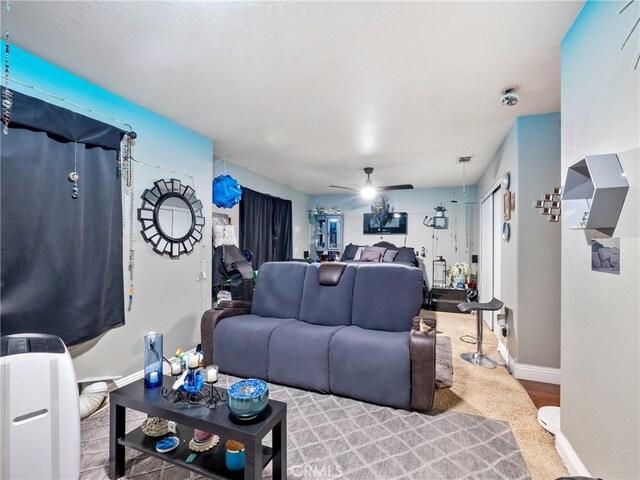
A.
pixel 509 97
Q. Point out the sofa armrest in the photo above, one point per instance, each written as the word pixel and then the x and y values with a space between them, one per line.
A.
pixel 210 319
pixel 234 304
pixel 422 349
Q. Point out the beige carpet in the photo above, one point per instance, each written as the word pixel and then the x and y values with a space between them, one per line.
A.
pixel 494 393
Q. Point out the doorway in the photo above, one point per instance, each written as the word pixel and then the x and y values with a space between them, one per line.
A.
pixel 490 253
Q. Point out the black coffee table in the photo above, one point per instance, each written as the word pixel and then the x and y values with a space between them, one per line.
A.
pixel 219 421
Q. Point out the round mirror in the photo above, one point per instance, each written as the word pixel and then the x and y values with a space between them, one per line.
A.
pixel 171 217
pixel 175 217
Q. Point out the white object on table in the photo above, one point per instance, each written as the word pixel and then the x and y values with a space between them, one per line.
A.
pixel 153 377
pixel 176 366
pixel 212 374
pixel 193 360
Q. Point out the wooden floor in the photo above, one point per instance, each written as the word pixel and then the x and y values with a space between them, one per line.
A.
pixel 542 394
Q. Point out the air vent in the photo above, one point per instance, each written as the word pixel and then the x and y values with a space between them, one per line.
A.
pixel 464 159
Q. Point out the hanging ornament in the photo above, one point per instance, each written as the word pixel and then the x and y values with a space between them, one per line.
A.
pixel 126 172
pixel 227 192
pixel 381 209
pixel 73 176
pixel 7 95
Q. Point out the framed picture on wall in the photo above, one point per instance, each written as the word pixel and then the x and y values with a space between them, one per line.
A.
pixel 506 206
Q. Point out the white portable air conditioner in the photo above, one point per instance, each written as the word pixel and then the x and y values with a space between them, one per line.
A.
pixel 39 411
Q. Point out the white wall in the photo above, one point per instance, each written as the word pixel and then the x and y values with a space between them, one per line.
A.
pixel 600 392
pixel 417 203
pixel 262 184
pixel 167 298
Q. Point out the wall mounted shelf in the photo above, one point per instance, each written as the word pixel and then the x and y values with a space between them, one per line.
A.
pixel 594 192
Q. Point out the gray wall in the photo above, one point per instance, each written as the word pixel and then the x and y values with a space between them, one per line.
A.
pixel 417 203
pixel 505 160
pixel 262 184
pixel 530 261
pixel 538 242
pixel 600 393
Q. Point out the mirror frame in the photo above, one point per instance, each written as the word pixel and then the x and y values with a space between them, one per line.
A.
pixel 152 199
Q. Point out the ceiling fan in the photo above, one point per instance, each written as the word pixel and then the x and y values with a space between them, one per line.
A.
pixel 369 191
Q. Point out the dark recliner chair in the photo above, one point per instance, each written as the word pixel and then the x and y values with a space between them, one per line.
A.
pixel 352 330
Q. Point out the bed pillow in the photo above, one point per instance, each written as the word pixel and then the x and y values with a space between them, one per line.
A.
pixel 370 256
pixel 381 250
pixel 389 255
pixel 349 252
pixel 406 254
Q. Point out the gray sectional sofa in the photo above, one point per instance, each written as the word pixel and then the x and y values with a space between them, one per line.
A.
pixel 349 330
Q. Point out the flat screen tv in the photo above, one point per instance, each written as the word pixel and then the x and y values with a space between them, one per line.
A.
pixel 396 225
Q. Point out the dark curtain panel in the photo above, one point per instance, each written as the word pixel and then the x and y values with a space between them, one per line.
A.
pixel 61 266
pixel 265 227
pixel 282 235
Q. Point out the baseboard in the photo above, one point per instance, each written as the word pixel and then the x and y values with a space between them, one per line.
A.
pixel 509 362
pixel 525 371
pixel 570 457
pixel 121 382
pixel 537 373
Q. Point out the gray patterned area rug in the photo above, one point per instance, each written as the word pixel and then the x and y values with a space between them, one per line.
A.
pixel 332 437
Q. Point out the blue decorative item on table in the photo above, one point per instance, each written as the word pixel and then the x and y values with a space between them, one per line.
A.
pixel 248 398
pixel 193 381
pixel 152 360
pixel 167 444
pixel 234 455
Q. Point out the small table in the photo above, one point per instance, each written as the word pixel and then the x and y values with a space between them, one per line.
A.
pixel 189 417
pixel 446 299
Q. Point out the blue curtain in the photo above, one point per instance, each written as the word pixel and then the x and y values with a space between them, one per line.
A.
pixel 61 265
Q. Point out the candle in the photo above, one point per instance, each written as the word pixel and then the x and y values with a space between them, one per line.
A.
pixel 153 377
pixel 212 374
pixel 176 366
pixel 193 360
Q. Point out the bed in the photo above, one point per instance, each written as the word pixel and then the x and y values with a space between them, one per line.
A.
pixel 387 253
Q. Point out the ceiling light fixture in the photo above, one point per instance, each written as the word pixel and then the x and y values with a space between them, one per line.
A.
pixel 509 97
pixel 464 161
pixel 368 191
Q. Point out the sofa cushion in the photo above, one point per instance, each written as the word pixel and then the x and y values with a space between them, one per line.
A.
pixel 299 355
pixel 323 305
pixel 241 344
pixel 386 297
pixel 279 289
pixel 371 365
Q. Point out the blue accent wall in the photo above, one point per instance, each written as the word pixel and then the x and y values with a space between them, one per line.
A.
pixel 168 298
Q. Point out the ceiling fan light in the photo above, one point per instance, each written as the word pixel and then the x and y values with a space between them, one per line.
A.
pixel 368 191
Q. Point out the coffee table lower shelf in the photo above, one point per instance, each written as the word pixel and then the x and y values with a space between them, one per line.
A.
pixel 211 463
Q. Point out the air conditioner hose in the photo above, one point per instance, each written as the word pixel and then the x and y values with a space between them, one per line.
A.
pixel 91 398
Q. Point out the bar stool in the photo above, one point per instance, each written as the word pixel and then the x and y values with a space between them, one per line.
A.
pixel 478 357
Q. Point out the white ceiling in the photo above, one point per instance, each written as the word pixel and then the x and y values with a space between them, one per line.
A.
pixel 310 93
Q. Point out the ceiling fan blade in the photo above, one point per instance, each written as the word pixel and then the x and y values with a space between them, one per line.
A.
pixel 405 186
pixel 344 188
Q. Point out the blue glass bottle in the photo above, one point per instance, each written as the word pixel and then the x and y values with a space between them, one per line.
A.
pixel 152 360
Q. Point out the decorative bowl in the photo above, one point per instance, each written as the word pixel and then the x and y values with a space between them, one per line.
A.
pixel 248 398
